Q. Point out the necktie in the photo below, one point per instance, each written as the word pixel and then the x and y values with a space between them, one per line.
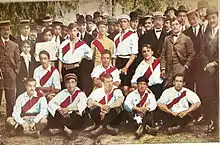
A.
pixel 81 37
pixel 194 31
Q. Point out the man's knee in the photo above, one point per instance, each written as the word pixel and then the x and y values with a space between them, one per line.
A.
pixel 10 121
pixel 42 124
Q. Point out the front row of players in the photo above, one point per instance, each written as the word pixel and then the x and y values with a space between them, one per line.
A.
pixel 71 109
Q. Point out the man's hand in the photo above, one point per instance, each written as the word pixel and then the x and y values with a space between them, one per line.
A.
pixel 175 113
pixel 124 70
pixel 163 74
pixel 182 114
pixel 105 108
pixel 32 126
pixel 210 67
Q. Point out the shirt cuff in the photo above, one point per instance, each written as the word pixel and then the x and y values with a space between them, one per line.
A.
pixel 186 66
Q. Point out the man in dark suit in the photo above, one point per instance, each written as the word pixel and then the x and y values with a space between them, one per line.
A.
pixel 210 57
pixel 9 66
pixel 56 25
pixel 181 15
pixel 25 29
pixel 156 36
pixel 86 66
pixel 177 53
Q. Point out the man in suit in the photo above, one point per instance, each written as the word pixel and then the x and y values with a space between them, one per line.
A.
pixel 177 53
pixel 9 66
pixel 210 57
pixel 181 15
pixel 202 6
pixel 24 31
pixel 156 36
pixel 86 66
pixel 56 25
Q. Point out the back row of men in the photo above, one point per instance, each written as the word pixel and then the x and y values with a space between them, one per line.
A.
pixel 192 52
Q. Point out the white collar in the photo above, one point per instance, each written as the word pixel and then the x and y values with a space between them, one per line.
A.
pixel 65 90
pixel 3 39
pixel 48 69
pixel 28 56
pixel 107 67
pixel 23 37
pixel 34 95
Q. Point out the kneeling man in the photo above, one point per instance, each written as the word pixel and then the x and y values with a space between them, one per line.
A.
pixel 174 104
pixel 67 106
pixel 29 112
pixel 105 105
pixel 140 103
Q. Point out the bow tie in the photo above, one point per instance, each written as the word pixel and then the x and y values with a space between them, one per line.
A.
pixel 175 35
pixel 158 31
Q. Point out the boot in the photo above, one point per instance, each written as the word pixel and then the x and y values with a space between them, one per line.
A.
pixel 97 132
pixel 139 131
pixel 111 130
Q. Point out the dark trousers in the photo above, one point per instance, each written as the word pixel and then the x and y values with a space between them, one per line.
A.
pixel 170 120
pixel 75 121
pixel 10 100
pixel 110 117
pixel 125 79
pixel 146 120
pixel 157 90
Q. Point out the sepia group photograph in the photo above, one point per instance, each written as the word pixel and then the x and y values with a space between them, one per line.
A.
pixel 101 72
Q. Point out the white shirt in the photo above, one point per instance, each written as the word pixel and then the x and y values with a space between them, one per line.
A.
pixel 79 104
pixel 134 98
pixel 40 108
pixel 98 94
pixel 27 59
pixel 142 68
pixel 98 70
pixel 23 38
pixel 84 51
pixel 196 29
pixel 176 37
pixel 170 94
pixel 214 31
pixel 158 33
pixel 126 47
pixel 54 80
pixel 3 40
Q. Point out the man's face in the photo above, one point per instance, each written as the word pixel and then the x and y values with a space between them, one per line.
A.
pixel 134 24
pixel 89 26
pixel 64 31
pixel 182 17
pixel 212 20
pixel 33 34
pixel 167 25
pixel 175 26
pixel 202 13
pixel 142 86
pixel 26 48
pixel 124 24
pixel 193 20
pixel 111 28
pixel 106 60
pixel 148 24
pixel 178 83
pixel 73 33
pixel 96 20
pixel 5 31
pixel 57 30
pixel 108 83
pixel 25 30
pixel 81 27
pixel 71 85
pixel 102 29
pixel 147 53
pixel 30 87
pixel 48 36
pixel 44 60
pixel 158 23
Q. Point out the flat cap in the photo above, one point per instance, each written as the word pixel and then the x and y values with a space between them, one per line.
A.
pixel 5 23
pixel 124 16
pixel 70 76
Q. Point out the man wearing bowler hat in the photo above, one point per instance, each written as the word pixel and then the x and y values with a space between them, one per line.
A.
pixel 57 27
pixel 89 24
pixel 181 15
pixel 210 58
pixel 9 65
pixel 134 21
pixel 170 11
pixel 202 6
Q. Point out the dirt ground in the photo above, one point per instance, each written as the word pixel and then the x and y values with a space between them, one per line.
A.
pixel 196 135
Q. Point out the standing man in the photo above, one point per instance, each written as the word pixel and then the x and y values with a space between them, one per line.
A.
pixel 156 36
pixel 111 28
pixel 177 53
pixel 202 6
pixel 181 15
pixel 57 27
pixel 125 51
pixel 166 25
pixel 134 21
pixel 101 43
pixel 9 65
pixel 210 57
pixel 140 103
pixel 174 104
pixel 89 24
pixel 25 30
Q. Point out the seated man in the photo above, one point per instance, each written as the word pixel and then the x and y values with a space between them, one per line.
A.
pixel 140 103
pixel 105 67
pixel 105 105
pixel 67 106
pixel 30 111
pixel 174 105
pixel 150 68
pixel 47 76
